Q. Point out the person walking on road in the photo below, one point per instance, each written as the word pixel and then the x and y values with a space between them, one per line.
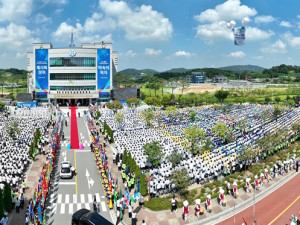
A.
pixel 133 219
pixel 4 220
pixel 95 204
pixel 17 205
pixel 23 186
pixel 118 217
pixel 174 204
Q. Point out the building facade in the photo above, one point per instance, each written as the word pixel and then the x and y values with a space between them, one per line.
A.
pixel 220 79
pixel 74 75
pixel 196 77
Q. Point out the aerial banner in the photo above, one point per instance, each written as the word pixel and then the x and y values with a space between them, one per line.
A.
pixel 41 72
pixel 239 35
pixel 103 71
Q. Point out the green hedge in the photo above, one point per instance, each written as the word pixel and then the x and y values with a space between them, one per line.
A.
pixel 158 204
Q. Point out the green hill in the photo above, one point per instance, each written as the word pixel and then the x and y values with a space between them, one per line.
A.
pixel 135 72
pixel 241 68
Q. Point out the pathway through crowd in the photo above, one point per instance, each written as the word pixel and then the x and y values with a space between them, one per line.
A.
pixel 74 138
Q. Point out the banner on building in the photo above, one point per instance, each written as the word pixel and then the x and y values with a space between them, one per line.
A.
pixel 239 35
pixel 41 72
pixel 103 71
pixel 27 104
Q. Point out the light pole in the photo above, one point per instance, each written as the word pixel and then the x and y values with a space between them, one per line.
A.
pixel 254 220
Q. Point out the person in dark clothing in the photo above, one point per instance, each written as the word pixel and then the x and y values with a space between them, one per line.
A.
pixel 297 165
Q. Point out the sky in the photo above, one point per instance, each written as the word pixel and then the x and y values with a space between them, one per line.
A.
pixel 156 34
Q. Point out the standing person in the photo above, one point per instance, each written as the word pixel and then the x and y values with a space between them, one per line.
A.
pixel 118 217
pixel 4 220
pixel 129 210
pixel 143 222
pixel 174 204
pixel 22 201
pixel 197 209
pixel 141 201
pixel 95 206
pixel 133 219
pixel 297 165
pixel 185 210
pixel 208 203
pixel 23 186
pixel 17 205
pixel 234 188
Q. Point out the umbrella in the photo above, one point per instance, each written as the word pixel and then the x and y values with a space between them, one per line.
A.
pixel 197 201
pixel 209 196
pixel 222 191
pixel 234 183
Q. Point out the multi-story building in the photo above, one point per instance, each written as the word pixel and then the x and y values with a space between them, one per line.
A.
pixel 196 77
pixel 220 79
pixel 73 75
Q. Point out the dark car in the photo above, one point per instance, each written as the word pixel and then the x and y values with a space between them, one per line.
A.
pixel 86 217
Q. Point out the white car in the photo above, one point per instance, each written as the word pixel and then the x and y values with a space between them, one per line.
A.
pixel 66 170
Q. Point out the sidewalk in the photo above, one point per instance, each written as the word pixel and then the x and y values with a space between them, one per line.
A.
pixel 32 178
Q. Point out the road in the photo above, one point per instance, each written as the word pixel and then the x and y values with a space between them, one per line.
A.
pixel 276 208
pixel 66 196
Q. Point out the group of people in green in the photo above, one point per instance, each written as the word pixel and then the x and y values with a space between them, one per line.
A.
pixel 127 177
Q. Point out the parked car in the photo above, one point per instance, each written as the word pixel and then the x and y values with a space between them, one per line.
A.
pixel 86 217
pixel 66 170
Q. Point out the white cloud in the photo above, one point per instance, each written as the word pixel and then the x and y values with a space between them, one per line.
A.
pixel 60 2
pixel 142 23
pixel 264 19
pixel 291 40
pixel 183 54
pixel 41 18
pixel 237 55
pixel 20 55
pixel 131 54
pixel 58 11
pixel 15 10
pixel 63 34
pixel 285 24
pixel 16 38
pixel 151 51
pixel 231 9
pixel 255 34
pixel 97 23
pixel 277 47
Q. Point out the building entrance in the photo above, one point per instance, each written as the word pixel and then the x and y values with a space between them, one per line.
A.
pixel 73 102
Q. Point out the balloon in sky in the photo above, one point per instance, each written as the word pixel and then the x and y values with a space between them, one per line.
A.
pixel 239 32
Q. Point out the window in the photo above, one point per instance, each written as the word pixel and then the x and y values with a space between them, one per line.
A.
pixel 72 88
pixel 72 62
pixel 72 76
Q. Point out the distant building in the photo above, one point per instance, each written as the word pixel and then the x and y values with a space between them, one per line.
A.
pixel 196 77
pixel 220 79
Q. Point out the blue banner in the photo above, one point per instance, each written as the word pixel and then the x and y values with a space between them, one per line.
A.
pixel 27 104
pixel 239 35
pixel 103 71
pixel 41 72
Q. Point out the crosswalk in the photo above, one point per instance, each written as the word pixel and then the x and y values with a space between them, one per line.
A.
pixel 84 142
pixel 70 203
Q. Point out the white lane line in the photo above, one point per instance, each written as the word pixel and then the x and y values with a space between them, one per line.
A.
pixel 70 208
pixel 62 208
pixel 82 198
pixel 59 198
pixel 90 198
pixel 98 197
pixel 74 198
pixel 83 151
pixel 87 206
pixel 65 183
pixel 103 206
pixel 67 200
pixel 78 206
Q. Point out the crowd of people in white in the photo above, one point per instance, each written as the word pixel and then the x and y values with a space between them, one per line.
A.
pixel 132 134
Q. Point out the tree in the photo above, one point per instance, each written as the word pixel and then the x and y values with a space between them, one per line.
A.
pixel 267 99
pixel 154 152
pixel 171 111
pixel 193 134
pixel 114 105
pixel 277 111
pixel 296 127
pixel 154 101
pixel 208 145
pixel 220 129
pixel 2 105
pixel 125 156
pixel 1 204
pixel 184 84
pixel 119 117
pixel 7 198
pixel 133 102
pixel 143 185
pixel 192 115
pixel 2 83
pixel 175 157
pixel 277 99
pixel 181 179
pixel 221 95
pixel 148 116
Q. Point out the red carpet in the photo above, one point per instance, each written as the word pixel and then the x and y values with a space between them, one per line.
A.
pixel 74 139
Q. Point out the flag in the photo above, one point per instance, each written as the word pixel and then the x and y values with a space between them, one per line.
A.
pixel 115 190
pixel 44 220
pixel 40 212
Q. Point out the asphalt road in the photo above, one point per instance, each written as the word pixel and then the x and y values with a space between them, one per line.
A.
pixel 66 196
pixel 276 208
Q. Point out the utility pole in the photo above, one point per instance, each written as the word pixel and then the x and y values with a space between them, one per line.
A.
pixel 254 220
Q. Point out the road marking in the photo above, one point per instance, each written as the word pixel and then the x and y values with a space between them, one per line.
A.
pixel 98 197
pixel 103 206
pixel 54 209
pixel 65 183
pixel 82 198
pixel 90 198
pixel 59 198
pixel 62 208
pixel 70 208
pixel 74 198
pixel 75 173
pixel 82 150
pixel 52 198
pixel 67 199
pixel 78 206
pixel 284 210
pixel 87 206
